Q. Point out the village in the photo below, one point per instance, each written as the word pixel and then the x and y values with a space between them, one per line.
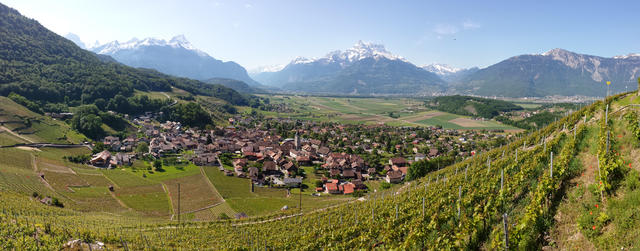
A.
pixel 273 152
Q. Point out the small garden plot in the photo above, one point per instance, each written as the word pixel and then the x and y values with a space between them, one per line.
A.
pixel 10 157
pixel 221 209
pixel 93 199
pixel 7 139
pixel 46 166
pixel 95 179
pixel 229 187
pixel 21 181
pixel 125 178
pixel 61 181
pixel 167 172
pixel 204 215
pixel 58 153
pixel 195 193
pixel 151 199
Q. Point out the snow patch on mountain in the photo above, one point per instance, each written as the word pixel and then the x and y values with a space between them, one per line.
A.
pixel 267 68
pixel 361 50
pixel 568 58
pixel 442 69
pixel 112 47
pixel 630 55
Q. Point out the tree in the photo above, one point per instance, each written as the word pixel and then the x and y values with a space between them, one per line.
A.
pixel 190 114
pixel 56 202
pixel 142 147
pixel 319 183
pixel 89 124
pixel 157 165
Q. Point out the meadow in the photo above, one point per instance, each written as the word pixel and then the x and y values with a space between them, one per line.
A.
pixel 28 126
pixel 370 110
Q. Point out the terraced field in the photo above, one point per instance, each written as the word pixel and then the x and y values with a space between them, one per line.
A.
pixel 33 127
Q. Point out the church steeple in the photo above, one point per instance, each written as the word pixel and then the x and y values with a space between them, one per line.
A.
pixel 297 141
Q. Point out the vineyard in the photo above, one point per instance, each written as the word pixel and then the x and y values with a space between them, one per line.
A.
pixel 506 198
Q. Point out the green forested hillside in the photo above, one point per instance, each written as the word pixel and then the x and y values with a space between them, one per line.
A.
pixel 46 68
pixel 472 106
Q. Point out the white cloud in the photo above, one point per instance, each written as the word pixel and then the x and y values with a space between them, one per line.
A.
pixel 248 5
pixel 445 29
pixel 467 25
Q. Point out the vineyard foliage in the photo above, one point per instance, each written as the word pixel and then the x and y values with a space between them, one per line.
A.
pixel 462 206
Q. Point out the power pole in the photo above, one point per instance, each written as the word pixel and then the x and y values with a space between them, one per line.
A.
pixel 300 203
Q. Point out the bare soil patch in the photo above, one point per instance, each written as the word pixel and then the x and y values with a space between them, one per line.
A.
pixel 465 122
pixel 423 117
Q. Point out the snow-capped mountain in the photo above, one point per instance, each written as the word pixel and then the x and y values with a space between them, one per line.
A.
pixel 361 50
pixel 176 56
pixel 449 73
pixel 365 68
pixel 555 72
pixel 176 42
pixel 627 56
pixel 267 68
pixel 75 39
pixel 441 69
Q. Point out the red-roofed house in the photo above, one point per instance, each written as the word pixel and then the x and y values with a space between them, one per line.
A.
pixel 349 188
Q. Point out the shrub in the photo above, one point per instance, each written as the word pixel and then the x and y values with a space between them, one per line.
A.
pixel 632 182
pixel 57 202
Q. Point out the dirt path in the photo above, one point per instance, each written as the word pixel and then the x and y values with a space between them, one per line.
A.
pixel 113 195
pixel 33 162
pixel 16 134
pixel 211 184
pixel 44 181
pixel 204 208
pixel 26 148
pixel 166 192
pixel 168 97
pixel 112 182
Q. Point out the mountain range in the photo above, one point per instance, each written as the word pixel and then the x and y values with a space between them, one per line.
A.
pixel 55 74
pixel 176 56
pixel 364 69
pixel 556 72
pixel 449 73
pixel 369 69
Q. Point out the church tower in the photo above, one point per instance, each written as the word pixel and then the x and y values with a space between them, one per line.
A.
pixel 297 141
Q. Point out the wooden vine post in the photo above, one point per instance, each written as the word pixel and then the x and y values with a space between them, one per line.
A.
pixel 551 163
pixel 506 231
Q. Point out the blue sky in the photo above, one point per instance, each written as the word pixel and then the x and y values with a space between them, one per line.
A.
pixel 257 33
